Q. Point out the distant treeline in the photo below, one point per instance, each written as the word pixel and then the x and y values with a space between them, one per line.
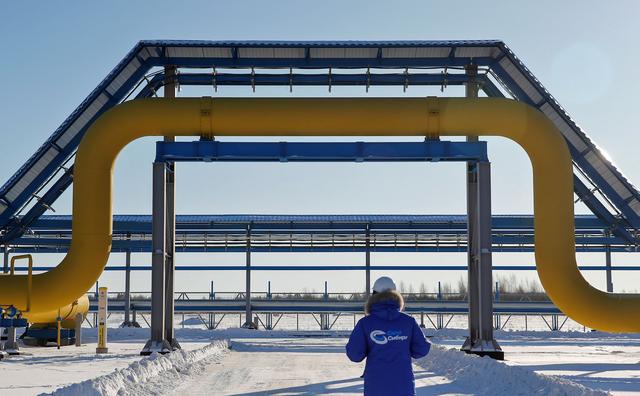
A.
pixel 509 288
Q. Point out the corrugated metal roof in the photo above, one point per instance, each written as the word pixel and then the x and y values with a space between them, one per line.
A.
pixel 339 43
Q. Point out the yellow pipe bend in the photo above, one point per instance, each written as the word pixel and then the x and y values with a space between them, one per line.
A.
pixel 547 150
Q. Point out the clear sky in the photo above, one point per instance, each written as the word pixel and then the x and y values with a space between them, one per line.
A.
pixel 52 54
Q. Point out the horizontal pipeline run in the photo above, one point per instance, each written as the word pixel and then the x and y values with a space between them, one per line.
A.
pixel 343 268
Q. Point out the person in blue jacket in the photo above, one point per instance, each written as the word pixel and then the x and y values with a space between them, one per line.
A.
pixel 388 338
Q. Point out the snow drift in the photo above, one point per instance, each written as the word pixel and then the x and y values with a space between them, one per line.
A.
pixel 490 377
pixel 155 372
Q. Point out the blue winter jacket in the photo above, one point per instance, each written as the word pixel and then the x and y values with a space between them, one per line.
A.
pixel 388 339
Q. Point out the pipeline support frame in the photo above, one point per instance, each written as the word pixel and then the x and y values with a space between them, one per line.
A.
pixel 158 342
pixel 480 340
pixel 479 289
pixel 479 214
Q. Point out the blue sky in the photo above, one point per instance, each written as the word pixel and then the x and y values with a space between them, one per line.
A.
pixel 55 53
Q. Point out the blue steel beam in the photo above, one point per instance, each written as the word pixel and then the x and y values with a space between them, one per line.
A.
pixel 330 223
pixel 618 226
pixel 17 226
pixel 291 80
pixel 433 233
pixel 605 187
pixel 321 79
pixel 429 150
pixel 444 242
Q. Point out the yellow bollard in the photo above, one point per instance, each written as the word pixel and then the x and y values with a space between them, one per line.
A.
pixel 102 321
pixel 59 326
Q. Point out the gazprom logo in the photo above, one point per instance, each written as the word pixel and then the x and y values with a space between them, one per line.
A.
pixel 380 337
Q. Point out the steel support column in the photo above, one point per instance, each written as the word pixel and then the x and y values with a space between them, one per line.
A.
pixel 268 315
pixel 607 253
pixel 471 91
pixel 5 266
pixel 480 340
pixel 158 343
pixel 367 255
pixel 170 219
pixel 169 256
pixel 11 346
pixel 127 291
pixel 248 322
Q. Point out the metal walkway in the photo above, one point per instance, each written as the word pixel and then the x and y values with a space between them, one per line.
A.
pixel 318 233
pixel 311 306
pixel 41 180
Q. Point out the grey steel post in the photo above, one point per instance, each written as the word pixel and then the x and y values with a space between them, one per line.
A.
pixel 169 258
pixel 269 315
pixel 95 314
pixel 607 252
pixel 158 343
pixel 471 91
pixel 481 341
pixel 170 231
pixel 127 288
pixel 324 317
pixel 78 332
pixel 367 258
pixel 248 323
pixel 127 291
pixel 212 316
pixel 158 275
pixel 5 267
pixel 11 346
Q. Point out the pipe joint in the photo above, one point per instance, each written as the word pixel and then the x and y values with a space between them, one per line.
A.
pixel 206 118
pixel 433 119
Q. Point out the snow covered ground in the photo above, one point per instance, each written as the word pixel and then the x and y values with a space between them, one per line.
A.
pixel 597 360
pixel 306 363
pixel 40 370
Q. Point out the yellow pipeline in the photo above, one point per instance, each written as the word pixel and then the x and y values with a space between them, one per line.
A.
pixel 67 313
pixel 547 150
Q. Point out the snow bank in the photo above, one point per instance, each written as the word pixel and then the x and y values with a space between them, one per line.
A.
pixel 534 334
pixel 490 377
pixel 149 375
